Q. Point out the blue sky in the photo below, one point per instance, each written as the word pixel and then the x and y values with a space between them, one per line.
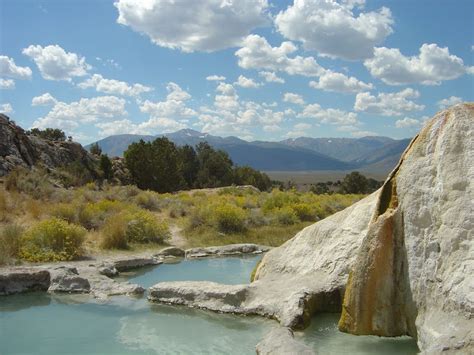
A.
pixel 256 69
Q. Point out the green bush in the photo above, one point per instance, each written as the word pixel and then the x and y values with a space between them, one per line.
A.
pixel 10 242
pixel 143 227
pixel 230 218
pixel 66 212
pixel 148 200
pixel 286 216
pixel 132 227
pixel 304 212
pixel 52 240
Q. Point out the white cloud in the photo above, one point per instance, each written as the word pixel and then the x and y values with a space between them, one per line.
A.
pixel 430 67
pixel 332 29
pixel 215 78
pixel 272 128
pixel 6 108
pixel 450 101
pixel 152 126
pixel 271 77
pixel 191 25
pixel 299 130
pixel 54 63
pixel 9 69
pixel 329 116
pixel 293 98
pixel 71 115
pixel 246 82
pixel 338 82
pixel 174 107
pixel 391 104
pixel 7 84
pixel 360 134
pixel 114 87
pixel 44 100
pixel 257 53
pixel 407 122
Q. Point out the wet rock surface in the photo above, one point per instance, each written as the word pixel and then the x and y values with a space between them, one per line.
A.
pixel 23 280
pixel 67 279
pixel 281 341
pixel 226 250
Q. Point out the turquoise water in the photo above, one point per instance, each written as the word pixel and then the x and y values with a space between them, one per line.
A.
pixel 324 336
pixel 38 323
pixel 229 270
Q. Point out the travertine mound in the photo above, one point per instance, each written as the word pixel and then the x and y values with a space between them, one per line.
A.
pixel 414 271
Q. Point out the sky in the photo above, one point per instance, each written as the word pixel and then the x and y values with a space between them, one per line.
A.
pixel 255 69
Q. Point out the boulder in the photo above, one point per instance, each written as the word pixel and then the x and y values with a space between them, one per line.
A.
pixel 108 270
pixel 129 263
pixel 281 341
pixel 18 280
pixel 226 250
pixel 414 271
pixel 200 294
pixel 170 252
pixel 67 279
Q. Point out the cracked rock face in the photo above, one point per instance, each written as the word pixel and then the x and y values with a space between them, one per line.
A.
pixel 414 272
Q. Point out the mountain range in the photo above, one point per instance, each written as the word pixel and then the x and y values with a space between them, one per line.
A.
pixel 371 154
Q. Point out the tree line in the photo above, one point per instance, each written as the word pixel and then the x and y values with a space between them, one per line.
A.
pixel 162 166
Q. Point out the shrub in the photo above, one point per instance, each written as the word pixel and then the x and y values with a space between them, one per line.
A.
pixel 3 206
pixel 34 183
pixel 138 227
pixel 66 212
pixel 10 242
pixel 147 200
pixel 52 240
pixel 114 233
pixel 143 227
pixel 230 219
pixel 304 212
pixel 286 216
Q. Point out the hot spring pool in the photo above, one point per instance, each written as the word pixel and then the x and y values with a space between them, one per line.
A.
pixel 38 323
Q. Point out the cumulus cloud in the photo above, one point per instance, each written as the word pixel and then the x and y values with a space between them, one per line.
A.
pixel 271 77
pixel 329 116
pixel 7 84
pixel 299 130
pixel 54 63
pixel 257 53
pixel 151 126
pixel 338 82
pixel 430 67
pixel 332 29
pixel 173 108
pixel 6 108
pixel 44 100
pixel 391 104
pixel 293 98
pixel 407 122
pixel 9 69
pixel 190 25
pixel 245 82
pixel 215 78
pixel 86 110
pixel 450 101
pixel 114 87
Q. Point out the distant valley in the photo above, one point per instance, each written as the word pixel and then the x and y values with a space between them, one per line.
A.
pixel 376 155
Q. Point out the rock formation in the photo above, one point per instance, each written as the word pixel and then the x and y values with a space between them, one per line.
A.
pixel 414 271
pixel 17 148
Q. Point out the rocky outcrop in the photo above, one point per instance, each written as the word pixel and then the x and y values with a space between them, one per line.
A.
pixel 67 279
pixel 23 280
pixel 19 149
pixel 414 272
pixel 281 341
pixel 129 263
pixel 226 250
pixel 171 252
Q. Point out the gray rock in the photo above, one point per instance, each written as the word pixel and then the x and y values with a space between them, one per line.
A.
pixel 226 250
pixel 67 279
pixel 200 294
pixel 170 252
pixel 129 263
pixel 108 270
pixel 20 280
pixel 281 341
